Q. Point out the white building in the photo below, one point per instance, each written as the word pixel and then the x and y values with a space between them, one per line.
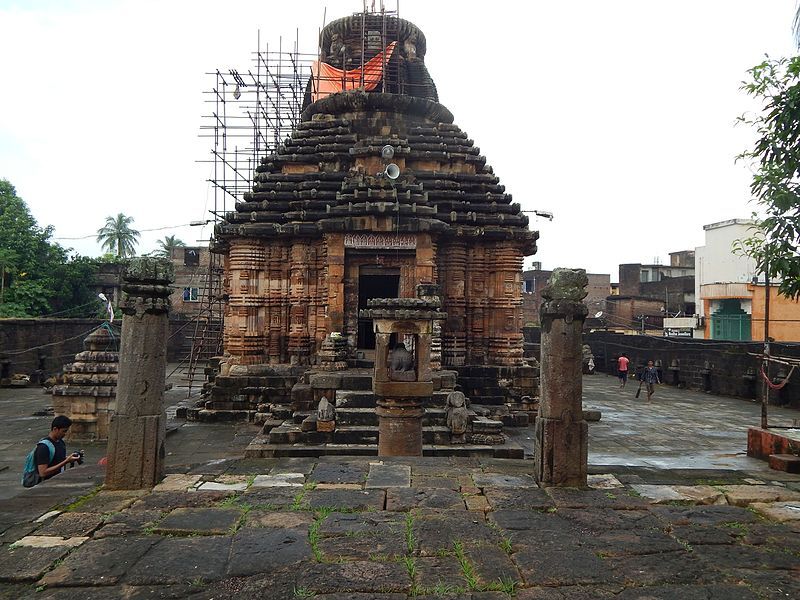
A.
pixel 722 276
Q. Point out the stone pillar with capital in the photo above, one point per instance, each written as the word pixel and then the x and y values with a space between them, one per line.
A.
pixel 138 429
pixel 561 438
pixel 402 377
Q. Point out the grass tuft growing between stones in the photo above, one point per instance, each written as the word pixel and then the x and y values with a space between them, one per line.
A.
pixel 410 541
pixel 303 592
pixel 440 590
pixel 241 520
pixel 298 500
pixel 151 528
pixel 313 532
pixel 466 566
pixel 504 584
pixel 229 501
pixel 83 499
pixel 505 541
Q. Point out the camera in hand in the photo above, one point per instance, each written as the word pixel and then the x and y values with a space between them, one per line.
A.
pixel 79 454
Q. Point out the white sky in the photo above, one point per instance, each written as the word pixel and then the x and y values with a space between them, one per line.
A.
pixel 615 115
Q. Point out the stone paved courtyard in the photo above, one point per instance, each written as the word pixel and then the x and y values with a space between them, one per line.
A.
pixel 678 429
pixel 676 511
pixel 424 528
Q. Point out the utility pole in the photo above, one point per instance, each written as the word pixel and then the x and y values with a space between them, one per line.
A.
pixel 765 363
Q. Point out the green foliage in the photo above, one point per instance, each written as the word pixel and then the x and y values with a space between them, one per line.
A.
pixel 37 276
pixel 117 236
pixel 775 162
pixel 167 245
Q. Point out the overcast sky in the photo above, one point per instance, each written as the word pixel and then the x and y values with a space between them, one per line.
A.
pixel 617 116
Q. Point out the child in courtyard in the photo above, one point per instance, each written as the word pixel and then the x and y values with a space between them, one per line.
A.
pixel 650 379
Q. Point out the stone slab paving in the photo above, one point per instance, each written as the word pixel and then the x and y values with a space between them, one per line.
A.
pixel 388 476
pixel 678 429
pixel 429 528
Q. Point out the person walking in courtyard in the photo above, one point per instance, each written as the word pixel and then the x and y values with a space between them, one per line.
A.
pixel 622 370
pixel 650 379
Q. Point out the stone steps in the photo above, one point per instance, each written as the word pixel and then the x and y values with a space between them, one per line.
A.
pixel 347 398
pixel 261 448
pixel 207 415
pixel 367 416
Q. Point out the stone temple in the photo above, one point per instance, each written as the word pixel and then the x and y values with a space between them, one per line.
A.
pixel 376 192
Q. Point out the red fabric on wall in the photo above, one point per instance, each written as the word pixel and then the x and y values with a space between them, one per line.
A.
pixel 328 80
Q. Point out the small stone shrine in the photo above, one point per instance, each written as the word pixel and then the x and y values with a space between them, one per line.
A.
pixel 88 394
pixel 403 377
pixel 376 192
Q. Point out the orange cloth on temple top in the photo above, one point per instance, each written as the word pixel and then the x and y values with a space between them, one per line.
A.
pixel 328 80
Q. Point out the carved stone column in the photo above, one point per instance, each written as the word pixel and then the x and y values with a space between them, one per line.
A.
pixel 402 378
pixel 136 438
pixel 561 442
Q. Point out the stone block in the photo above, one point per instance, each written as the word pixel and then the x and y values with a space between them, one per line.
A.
pixel 788 463
pixel 279 480
pixel 28 563
pixel 744 495
pixel 665 494
pixel 206 521
pixel 388 476
pixel 263 550
pixel 778 511
pixel 357 382
pixel 328 381
pixel 592 416
pixel 99 562
pixel 183 560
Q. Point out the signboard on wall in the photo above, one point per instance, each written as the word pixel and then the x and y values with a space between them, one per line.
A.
pixel 682 332
pixel 380 241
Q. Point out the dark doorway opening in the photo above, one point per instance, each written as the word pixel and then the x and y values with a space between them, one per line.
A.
pixel 370 285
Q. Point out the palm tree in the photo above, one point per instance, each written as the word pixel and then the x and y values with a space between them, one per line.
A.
pixel 167 245
pixel 117 236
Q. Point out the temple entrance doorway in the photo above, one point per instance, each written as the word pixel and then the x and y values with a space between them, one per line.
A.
pixel 374 282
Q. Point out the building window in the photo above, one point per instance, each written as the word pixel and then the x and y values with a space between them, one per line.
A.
pixel 191 294
pixel 191 257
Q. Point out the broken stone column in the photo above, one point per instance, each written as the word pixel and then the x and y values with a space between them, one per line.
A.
pixel 88 394
pixel 561 439
pixel 138 429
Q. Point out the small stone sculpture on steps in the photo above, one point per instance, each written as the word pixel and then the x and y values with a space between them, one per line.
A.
pixel 457 416
pixel 326 416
